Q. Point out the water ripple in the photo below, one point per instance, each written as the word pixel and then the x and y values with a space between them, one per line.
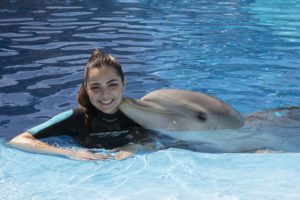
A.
pixel 63 7
pixel 70 14
pixel 14 35
pixel 16 20
pixel 8 52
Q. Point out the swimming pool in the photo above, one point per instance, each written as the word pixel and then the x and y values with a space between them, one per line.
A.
pixel 244 52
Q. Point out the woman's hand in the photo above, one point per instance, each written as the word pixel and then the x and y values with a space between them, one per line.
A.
pixel 121 155
pixel 127 151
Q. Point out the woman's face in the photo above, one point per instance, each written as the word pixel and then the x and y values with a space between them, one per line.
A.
pixel 105 89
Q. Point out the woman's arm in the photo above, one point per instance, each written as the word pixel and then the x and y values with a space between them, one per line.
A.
pixel 27 142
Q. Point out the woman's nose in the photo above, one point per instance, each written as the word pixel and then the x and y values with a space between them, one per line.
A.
pixel 104 92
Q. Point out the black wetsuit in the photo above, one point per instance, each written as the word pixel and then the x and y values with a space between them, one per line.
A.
pixel 105 130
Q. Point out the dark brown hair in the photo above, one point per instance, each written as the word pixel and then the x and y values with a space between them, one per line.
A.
pixel 96 60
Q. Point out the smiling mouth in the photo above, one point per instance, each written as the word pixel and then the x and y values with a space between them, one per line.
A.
pixel 106 102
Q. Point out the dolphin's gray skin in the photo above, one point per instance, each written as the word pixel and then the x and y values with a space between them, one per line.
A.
pixel 180 110
pixel 268 131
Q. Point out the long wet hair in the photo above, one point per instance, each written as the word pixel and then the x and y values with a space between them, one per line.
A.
pixel 96 60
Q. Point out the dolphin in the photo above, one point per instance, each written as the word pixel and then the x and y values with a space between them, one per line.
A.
pixel 207 124
pixel 181 110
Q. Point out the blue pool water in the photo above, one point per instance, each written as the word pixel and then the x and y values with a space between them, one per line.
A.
pixel 244 52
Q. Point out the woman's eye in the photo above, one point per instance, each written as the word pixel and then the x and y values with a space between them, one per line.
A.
pixel 113 85
pixel 95 88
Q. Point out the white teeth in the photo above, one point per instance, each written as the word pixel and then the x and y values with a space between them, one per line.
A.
pixel 106 102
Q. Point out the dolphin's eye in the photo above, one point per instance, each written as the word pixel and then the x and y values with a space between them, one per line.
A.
pixel 201 116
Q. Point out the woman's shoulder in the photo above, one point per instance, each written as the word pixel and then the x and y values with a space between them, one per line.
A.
pixel 71 113
pixel 78 112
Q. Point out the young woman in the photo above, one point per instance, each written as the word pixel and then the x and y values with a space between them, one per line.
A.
pixel 107 120
pixel 98 123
